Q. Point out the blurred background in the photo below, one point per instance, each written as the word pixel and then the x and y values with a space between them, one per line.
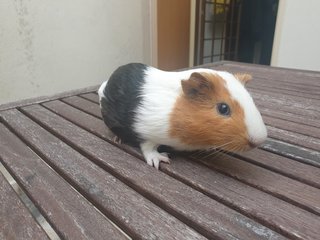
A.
pixel 47 47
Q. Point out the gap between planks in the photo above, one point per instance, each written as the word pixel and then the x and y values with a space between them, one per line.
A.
pixel 28 202
pixel 45 225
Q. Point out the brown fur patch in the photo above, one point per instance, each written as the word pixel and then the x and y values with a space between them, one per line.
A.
pixel 197 122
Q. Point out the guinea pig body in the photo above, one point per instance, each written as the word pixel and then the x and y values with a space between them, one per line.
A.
pixel 186 110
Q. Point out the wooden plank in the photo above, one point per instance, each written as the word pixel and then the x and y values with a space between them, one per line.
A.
pixel 84 105
pixel 250 201
pixel 292 76
pixel 70 215
pixel 15 220
pixel 85 120
pixel 96 126
pixel 292 126
pixel 282 85
pixel 293 169
pixel 40 99
pixel 269 210
pixel 275 113
pixel 298 102
pixel 290 190
pixel 137 216
pixel 210 217
pixel 91 96
pixel 268 87
pixel 284 104
pixel 300 154
pixel 294 138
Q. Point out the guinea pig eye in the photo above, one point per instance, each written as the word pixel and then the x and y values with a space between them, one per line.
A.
pixel 223 109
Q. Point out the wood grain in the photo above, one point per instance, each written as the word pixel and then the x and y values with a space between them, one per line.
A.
pixel 15 220
pixel 225 189
pixel 40 99
pixel 291 151
pixel 292 76
pixel 293 169
pixel 84 105
pixel 280 186
pixel 68 212
pixel 294 138
pixel 290 117
pixel 135 215
pixel 91 96
pixel 209 217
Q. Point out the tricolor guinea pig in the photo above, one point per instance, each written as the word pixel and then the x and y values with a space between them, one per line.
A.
pixel 188 110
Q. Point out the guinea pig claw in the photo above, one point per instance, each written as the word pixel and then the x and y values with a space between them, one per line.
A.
pixel 116 139
pixel 152 156
pixel 154 159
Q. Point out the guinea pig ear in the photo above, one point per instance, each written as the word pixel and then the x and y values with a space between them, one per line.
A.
pixel 197 86
pixel 243 77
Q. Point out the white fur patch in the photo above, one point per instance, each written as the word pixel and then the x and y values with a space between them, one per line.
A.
pixel 160 92
pixel 255 126
pixel 101 88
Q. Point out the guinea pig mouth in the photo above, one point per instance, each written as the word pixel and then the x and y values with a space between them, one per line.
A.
pixel 252 145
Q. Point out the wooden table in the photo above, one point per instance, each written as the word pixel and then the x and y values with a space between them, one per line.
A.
pixel 85 186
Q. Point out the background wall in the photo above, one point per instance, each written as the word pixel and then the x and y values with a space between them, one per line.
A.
pixel 297 36
pixel 53 46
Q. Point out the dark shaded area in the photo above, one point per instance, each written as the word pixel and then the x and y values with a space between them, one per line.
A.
pixel 257 27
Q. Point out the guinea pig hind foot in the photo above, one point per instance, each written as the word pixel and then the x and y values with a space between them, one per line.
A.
pixel 117 140
pixel 151 154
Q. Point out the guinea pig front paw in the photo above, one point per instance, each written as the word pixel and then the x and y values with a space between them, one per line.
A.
pixel 154 159
pixel 117 140
pixel 152 156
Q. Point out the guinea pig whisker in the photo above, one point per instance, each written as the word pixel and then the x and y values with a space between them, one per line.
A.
pixel 218 151
pixel 198 153
pixel 215 154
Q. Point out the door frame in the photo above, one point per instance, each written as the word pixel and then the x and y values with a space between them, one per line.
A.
pixel 153 32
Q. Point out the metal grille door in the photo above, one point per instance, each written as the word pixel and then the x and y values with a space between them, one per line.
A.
pixel 218 23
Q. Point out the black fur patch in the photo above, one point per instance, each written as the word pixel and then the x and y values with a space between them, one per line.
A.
pixel 122 94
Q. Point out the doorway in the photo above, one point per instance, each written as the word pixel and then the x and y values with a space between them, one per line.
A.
pixel 236 30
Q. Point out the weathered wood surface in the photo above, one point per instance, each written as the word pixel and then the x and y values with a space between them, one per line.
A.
pixel 15 220
pixel 186 171
pixel 68 212
pixel 115 199
pixel 157 187
pixel 88 187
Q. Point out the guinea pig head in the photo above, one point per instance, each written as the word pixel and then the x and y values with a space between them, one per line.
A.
pixel 215 110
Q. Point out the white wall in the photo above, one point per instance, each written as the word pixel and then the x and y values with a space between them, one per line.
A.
pixel 49 46
pixel 297 36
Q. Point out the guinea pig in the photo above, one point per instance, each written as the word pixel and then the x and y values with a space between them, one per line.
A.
pixel 196 109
